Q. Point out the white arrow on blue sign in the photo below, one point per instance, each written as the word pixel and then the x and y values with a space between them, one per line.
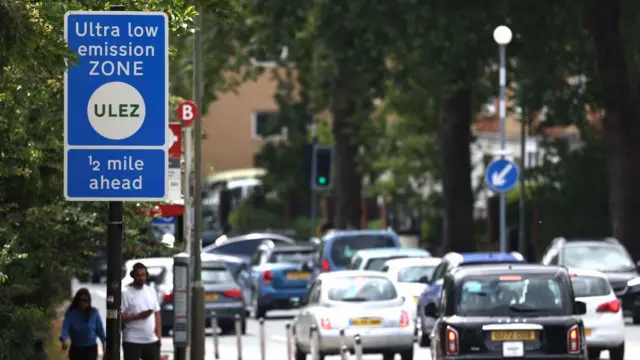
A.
pixel 502 175
pixel 116 100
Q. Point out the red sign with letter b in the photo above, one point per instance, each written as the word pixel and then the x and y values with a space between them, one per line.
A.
pixel 187 111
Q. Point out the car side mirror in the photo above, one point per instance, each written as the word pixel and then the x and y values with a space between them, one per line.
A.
pixel 579 308
pixel 424 280
pixel 315 241
pixel 430 310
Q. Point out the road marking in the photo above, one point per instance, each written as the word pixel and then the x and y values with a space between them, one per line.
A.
pixel 101 294
pixel 279 338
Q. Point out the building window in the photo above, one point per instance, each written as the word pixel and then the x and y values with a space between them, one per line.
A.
pixel 265 125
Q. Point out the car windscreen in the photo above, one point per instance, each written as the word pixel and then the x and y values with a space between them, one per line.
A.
pixel 603 257
pixel 511 295
pixel 361 289
pixel 216 275
pixel 295 257
pixel 585 286
pixel 346 246
pixel 415 274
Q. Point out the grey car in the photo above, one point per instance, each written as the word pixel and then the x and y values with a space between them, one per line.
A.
pixel 223 295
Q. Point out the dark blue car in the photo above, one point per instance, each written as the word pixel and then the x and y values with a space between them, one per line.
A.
pixel 280 275
pixel 337 248
pixel 431 293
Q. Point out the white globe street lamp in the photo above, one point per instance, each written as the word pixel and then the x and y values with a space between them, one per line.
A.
pixel 502 35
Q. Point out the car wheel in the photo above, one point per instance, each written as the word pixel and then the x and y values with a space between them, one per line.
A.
pixel 636 319
pixel 258 311
pixel 594 354
pixel 299 354
pixel 407 354
pixel 617 353
pixel 95 278
pixel 166 331
pixel 226 327
pixel 388 356
pixel 425 341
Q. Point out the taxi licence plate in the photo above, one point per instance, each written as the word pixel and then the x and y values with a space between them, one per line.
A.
pixel 298 276
pixel 588 332
pixel 366 322
pixel 513 335
pixel 211 297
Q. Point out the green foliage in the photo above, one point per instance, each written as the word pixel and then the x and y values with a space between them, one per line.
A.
pixel 45 240
pixel 224 59
pixel 247 217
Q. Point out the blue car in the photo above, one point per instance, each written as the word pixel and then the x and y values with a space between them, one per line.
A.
pixel 431 293
pixel 338 247
pixel 280 274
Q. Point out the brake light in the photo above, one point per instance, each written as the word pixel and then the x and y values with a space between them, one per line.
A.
pixel 325 323
pixel 573 340
pixel 573 275
pixel 325 265
pixel 167 297
pixel 233 293
pixel 404 319
pixel 452 341
pixel 611 306
pixel 267 277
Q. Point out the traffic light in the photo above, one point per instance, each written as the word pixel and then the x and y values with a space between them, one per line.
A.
pixel 322 164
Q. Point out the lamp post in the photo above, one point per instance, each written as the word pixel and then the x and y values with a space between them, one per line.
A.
pixel 502 36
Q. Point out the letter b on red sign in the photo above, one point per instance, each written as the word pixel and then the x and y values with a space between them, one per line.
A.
pixel 187 111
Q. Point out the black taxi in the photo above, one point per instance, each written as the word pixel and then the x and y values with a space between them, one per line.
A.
pixel 520 311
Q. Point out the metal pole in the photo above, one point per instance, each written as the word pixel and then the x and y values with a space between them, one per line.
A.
pixel 288 330
pixel 503 112
pixel 115 237
pixel 522 241
pixel 197 304
pixel 263 348
pixel 313 340
pixel 238 326
pixel 314 197
pixel 357 346
pixel 216 343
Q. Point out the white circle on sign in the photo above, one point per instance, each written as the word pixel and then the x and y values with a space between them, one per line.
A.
pixel 116 110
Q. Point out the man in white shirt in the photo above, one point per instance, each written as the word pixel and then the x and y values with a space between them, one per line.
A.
pixel 140 313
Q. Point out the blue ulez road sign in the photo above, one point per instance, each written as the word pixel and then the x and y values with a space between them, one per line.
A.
pixel 116 106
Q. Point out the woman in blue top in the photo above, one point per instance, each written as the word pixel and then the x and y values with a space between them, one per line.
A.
pixel 83 325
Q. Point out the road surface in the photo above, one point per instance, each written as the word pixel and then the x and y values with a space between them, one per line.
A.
pixel 275 343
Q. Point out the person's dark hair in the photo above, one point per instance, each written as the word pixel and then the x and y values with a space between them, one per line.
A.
pixel 75 303
pixel 326 226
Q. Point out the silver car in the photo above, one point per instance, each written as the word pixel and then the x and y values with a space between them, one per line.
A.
pixel 360 302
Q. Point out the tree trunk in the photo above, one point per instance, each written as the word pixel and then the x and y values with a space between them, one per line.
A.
pixel 348 180
pixel 455 137
pixel 621 123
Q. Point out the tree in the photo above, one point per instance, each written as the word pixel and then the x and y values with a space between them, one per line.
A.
pixel 443 53
pixel 44 240
pixel 587 40
pixel 337 46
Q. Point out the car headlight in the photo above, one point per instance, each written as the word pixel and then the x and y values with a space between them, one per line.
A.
pixel 633 282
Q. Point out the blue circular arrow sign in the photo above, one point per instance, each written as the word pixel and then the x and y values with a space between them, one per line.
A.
pixel 502 175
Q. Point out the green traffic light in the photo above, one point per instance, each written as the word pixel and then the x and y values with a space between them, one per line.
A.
pixel 322 180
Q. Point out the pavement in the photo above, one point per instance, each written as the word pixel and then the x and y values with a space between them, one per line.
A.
pixel 275 339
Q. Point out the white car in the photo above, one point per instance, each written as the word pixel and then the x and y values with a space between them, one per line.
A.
pixel 364 303
pixel 410 276
pixel 603 322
